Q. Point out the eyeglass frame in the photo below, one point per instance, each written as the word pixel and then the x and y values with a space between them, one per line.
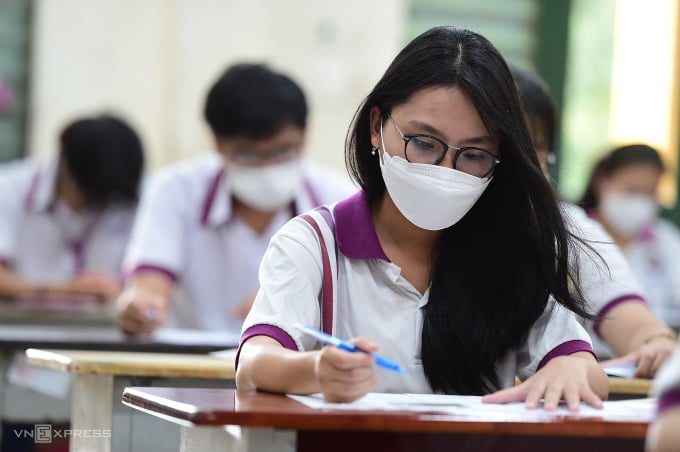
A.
pixel 409 137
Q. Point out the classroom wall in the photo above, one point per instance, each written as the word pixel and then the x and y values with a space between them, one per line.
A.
pixel 153 60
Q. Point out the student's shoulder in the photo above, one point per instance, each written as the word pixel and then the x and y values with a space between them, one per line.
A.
pixel 17 176
pixel 187 173
pixel 331 183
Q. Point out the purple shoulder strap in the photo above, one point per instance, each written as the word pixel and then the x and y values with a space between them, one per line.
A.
pixel 327 282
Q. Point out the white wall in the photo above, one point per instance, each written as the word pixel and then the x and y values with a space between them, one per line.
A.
pixel 153 61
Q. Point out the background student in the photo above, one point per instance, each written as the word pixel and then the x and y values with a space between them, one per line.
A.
pixel 663 434
pixel 621 195
pixel 204 224
pixel 65 223
pixel 453 258
pixel 625 323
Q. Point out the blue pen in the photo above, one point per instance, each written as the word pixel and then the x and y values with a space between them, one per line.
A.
pixel 342 345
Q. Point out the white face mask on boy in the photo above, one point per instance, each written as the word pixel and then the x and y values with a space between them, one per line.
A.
pixel 431 197
pixel 265 188
pixel 628 214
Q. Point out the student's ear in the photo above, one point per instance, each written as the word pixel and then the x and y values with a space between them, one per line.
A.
pixel 375 127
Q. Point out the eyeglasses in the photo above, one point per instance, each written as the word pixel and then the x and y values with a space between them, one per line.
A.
pixel 251 157
pixel 431 150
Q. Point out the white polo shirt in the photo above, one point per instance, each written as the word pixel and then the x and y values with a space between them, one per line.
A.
pixel 185 229
pixel 372 299
pixel 43 240
pixel 667 383
pixel 606 280
pixel 655 258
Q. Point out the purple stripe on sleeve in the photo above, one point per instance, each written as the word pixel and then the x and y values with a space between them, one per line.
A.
pixel 272 331
pixel 172 276
pixel 567 348
pixel 670 399
pixel 611 305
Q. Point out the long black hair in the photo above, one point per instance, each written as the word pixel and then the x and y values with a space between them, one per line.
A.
pixel 494 270
pixel 615 160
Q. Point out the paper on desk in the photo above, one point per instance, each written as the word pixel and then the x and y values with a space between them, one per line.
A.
pixel 620 367
pixel 51 382
pixel 640 410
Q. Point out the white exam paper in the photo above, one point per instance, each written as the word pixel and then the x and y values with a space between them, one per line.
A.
pixel 639 410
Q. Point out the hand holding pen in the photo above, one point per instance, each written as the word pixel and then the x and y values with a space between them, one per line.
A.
pixel 342 376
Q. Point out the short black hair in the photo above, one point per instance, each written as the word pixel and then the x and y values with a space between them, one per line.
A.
pixel 254 101
pixel 105 158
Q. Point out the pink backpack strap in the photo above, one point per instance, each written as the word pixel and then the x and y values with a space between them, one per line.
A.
pixel 327 282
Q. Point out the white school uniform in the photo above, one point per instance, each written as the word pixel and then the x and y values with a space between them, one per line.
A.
pixel 605 276
pixel 45 241
pixel 372 299
pixel 666 384
pixel 186 230
pixel 655 258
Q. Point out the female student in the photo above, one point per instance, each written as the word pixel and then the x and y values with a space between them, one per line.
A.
pixel 65 223
pixel 621 195
pixel 663 434
pixel 453 257
pixel 625 325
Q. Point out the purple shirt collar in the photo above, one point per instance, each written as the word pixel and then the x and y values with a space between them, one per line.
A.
pixel 42 191
pixel 355 232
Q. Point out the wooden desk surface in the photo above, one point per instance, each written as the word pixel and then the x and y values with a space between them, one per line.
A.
pixel 629 386
pixel 249 409
pixel 63 310
pixel 135 363
pixel 79 337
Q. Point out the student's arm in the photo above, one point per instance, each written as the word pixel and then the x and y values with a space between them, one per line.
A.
pixel 12 285
pixel 663 434
pixel 341 376
pixel 143 306
pixel 630 328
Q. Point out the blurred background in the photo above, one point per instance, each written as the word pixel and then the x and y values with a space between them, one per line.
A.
pixel 612 66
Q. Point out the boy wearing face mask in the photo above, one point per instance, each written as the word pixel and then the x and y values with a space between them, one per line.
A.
pixel 204 224
pixel 621 195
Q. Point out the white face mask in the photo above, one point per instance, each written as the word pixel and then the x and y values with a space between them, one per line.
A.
pixel 431 197
pixel 265 188
pixel 628 214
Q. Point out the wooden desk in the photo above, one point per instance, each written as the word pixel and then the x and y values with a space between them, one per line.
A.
pixel 98 381
pixel 62 310
pixel 622 388
pixel 273 422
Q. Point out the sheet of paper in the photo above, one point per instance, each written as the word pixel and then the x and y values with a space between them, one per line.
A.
pixel 189 337
pixel 618 368
pixel 624 410
pixel 53 383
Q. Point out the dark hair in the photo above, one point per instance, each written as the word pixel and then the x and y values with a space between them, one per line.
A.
pixel 496 268
pixel 537 104
pixel 104 157
pixel 252 100
pixel 615 160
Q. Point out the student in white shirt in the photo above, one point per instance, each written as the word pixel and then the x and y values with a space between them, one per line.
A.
pixel 453 258
pixel 204 224
pixel 621 195
pixel 625 325
pixel 65 223
pixel 663 434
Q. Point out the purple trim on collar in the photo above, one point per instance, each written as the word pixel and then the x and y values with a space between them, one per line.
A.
pixel 210 197
pixel 648 234
pixel 567 348
pixel 667 400
pixel 356 236
pixel 4 263
pixel 276 333
pixel 172 276
pixel 611 305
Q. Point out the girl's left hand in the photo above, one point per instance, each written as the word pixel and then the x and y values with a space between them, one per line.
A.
pixel 570 378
